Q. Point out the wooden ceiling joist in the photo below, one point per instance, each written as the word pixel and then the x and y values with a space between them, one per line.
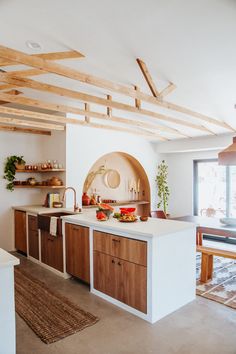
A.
pixel 55 68
pixel 148 77
pixel 137 101
pixel 27 123
pixel 70 54
pixel 33 103
pixel 86 112
pixel 24 130
pixel 23 82
pixel 171 87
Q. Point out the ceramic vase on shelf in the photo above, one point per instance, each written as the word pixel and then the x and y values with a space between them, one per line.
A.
pixel 85 199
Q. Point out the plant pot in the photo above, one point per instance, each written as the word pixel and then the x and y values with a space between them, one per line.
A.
pixel 20 166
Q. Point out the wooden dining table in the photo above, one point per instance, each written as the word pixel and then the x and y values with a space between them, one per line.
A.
pixel 208 226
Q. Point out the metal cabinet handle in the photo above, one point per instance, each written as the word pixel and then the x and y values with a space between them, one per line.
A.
pixel 113 261
pixel 115 240
pixel 119 263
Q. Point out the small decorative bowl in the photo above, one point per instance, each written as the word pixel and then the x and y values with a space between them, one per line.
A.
pixel 144 218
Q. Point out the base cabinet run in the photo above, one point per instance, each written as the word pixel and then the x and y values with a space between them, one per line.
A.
pixel 120 278
pixel 77 251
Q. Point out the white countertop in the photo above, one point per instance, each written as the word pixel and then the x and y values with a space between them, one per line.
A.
pixel 39 209
pixel 152 228
pixel 7 259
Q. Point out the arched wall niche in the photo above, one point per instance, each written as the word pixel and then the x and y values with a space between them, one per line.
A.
pixel 131 171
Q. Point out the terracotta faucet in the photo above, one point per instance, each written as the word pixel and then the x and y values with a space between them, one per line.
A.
pixel 76 207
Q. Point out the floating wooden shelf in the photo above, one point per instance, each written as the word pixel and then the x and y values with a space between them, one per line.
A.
pixel 43 171
pixel 130 202
pixel 42 187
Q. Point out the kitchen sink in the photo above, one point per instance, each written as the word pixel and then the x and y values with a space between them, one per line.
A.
pixel 44 221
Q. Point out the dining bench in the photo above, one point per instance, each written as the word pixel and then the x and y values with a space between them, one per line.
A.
pixel 207 260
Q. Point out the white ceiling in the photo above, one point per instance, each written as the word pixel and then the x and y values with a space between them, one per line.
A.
pixel 188 42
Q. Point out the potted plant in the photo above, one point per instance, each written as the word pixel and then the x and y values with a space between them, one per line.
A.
pixel 162 184
pixel 10 170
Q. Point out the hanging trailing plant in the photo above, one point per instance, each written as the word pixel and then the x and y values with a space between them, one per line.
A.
pixel 10 170
pixel 162 184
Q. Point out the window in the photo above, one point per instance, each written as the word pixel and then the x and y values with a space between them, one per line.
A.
pixel 214 189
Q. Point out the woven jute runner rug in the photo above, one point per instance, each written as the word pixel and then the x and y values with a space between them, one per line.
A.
pixel 222 288
pixel 50 315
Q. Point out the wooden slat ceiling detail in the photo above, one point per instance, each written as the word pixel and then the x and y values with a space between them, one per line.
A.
pixel 24 130
pixel 41 64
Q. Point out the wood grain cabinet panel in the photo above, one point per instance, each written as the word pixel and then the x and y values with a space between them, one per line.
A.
pixel 52 250
pixel 134 251
pixel 105 274
pixel 122 280
pixel 77 251
pixel 20 231
pixel 33 237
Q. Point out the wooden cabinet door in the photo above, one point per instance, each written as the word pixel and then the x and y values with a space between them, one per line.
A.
pixel 133 285
pixel 122 280
pixel 105 274
pixel 20 231
pixel 33 237
pixel 77 251
pixel 52 250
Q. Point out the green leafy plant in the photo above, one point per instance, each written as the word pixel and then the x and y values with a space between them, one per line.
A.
pixel 162 184
pixel 10 170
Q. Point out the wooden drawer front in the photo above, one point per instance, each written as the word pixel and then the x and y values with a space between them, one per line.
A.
pixel 125 248
pixel 32 223
pixel 122 280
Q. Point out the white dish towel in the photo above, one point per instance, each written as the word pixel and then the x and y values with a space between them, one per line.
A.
pixel 53 226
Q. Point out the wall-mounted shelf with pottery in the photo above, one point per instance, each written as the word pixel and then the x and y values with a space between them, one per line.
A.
pixel 35 186
pixel 42 171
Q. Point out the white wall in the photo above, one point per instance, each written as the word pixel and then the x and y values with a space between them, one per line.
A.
pixel 35 149
pixel 84 146
pixel 179 155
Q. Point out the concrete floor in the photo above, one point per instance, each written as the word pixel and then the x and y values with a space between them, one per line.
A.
pixel 201 327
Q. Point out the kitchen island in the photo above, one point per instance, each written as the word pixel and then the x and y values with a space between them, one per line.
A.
pixel 7 303
pixel 146 268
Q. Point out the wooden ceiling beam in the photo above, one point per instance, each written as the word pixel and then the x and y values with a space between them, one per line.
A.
pixel 148 77
pixel 70 54
pixel 171 87
pixel 23 82
pixel 33 103
pixel 27 123
pixel 86 112
pixel 24 130
pixel 137 101
pixel 55 68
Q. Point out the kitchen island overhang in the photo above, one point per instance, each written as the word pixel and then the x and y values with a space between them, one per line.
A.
pixel 171 260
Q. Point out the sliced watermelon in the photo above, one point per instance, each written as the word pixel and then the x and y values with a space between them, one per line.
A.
pixel 104 206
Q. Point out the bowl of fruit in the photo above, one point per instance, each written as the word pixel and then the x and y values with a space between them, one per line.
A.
pixel 127 211
pixel 104 211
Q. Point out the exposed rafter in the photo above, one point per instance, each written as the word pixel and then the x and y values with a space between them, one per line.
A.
pixel 24 130
pixel 171 87
pixel 22 82
pixel 27 123
pixel 148 77
pixel 55 68
pixel 140 130
pixel 70 54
